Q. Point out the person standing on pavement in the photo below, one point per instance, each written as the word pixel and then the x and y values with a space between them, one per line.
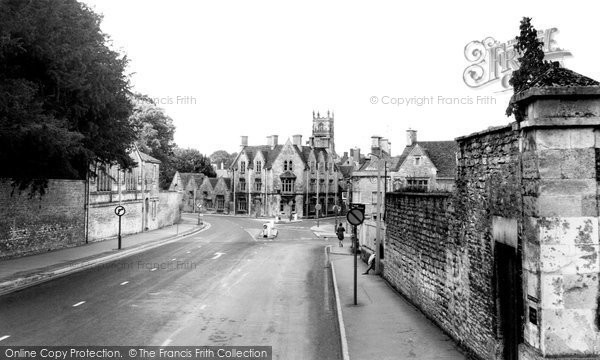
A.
pixel 340 234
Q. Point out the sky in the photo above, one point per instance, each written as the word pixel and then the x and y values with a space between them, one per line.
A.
pixel 223 69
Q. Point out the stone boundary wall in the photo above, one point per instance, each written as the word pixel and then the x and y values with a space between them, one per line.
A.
pixel 439 247
pixel 34 225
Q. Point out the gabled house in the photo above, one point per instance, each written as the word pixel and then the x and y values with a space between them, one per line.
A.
pixel 426 165
pixel 188 184
pixel 285 180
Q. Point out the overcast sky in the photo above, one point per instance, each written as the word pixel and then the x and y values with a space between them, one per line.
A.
pixel 222 69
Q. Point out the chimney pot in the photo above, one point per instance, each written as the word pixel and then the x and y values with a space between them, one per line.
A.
pixel 244 140
pixel 411 137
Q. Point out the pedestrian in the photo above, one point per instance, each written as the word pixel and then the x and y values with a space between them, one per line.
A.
pixel 371 263
pixel 340 234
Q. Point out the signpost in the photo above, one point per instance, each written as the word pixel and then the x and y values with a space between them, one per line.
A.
pixel 355 217
pixel 120 211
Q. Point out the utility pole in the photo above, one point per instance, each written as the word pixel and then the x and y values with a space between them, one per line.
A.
pixel 318 202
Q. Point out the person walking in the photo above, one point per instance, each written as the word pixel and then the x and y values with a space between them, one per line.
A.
pixel 340 234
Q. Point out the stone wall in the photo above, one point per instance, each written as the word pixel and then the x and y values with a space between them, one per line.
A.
pixel 439 247
pixel 34 225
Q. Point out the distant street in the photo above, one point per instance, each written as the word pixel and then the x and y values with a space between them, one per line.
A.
pixel 219 287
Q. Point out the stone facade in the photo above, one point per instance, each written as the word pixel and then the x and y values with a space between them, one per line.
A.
pixel 288 179
pixel 189 185
pixel 215 195
pixel 508 264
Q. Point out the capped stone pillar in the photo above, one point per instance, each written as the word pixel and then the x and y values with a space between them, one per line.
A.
pixel 560 147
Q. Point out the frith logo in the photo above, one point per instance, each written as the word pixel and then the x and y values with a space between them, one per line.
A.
pixel 492 61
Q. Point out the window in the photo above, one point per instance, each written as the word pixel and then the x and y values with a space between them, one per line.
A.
pixel 242 184
pixel 242 167
pixel 242 204
pixel 104 179
pixel 257 184
pixel 287 185
pixel 220 202
pixel 313 185
pixel 331 188
pixel 130 180
pixel 290 165
pixel 417 184
pixel 285 165
pixel 417 160
pixel 258 166
pixel 374 198
pixel 312 166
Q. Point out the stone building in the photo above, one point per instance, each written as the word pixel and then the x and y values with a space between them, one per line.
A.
pixel 215 194
pixel 425 165
pixel 137 189
pixel 189 184
pixel 287 179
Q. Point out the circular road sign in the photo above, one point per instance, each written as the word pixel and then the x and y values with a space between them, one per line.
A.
pixel 355 217
pixel 318 206
pixel 120 210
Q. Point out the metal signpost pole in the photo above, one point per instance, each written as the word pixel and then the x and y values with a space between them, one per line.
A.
pixel 119 232
pixel 355 245
pixel 119 211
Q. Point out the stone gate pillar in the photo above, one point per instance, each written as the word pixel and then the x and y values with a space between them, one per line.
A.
pixel 560 146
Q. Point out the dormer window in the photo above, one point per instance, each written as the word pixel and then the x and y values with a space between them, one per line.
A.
pixel 258 166
pixel 242 167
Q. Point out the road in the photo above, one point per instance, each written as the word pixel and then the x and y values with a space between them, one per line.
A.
pixel 219 287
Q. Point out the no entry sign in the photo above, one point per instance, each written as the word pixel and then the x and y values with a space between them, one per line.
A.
pixel 355 217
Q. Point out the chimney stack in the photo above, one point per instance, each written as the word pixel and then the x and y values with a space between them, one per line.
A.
pixel 355 153
pixel 375 144
pixel 411 137
pixel 386 146
pixel 297 140
pixel 244 141
pixel 270 140
pixel 274 141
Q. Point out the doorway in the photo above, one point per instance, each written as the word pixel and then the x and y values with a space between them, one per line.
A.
pixel 508 285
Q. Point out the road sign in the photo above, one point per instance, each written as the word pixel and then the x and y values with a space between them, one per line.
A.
pixel 120 210
pixel 355 217
pixel 318 206
pixel 358 206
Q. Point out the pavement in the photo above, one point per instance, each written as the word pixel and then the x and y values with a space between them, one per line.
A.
pixel 383 325
pixel 19 273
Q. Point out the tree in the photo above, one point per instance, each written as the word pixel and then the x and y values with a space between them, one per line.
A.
pixel 63 93
pixel 222 156
pixel 155 131
pixel 191 160
pixel 531 63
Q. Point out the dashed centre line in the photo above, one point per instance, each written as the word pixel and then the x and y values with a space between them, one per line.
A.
pixel 79 303
pixel 124 283
pixel 217 255
pixel 4 337
pixel 153 269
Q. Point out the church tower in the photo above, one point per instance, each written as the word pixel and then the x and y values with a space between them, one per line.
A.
pixel 323 131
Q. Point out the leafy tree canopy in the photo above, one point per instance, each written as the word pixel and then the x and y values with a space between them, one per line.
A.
pixel 63 93
pixel 191 160
pixel 155 131
pixel 222 156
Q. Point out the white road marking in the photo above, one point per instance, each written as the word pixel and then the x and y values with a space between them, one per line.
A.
pixel 217 255
pixel 124 283
pixel 202 307
pixel 173 259
pixel 4 337
pixel 187 252
pixel 166 342
pixel 153 269
pixel 79 303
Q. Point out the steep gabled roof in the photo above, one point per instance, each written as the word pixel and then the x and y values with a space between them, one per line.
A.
pixel 147 158
pixel 346 170
pixel 443 156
